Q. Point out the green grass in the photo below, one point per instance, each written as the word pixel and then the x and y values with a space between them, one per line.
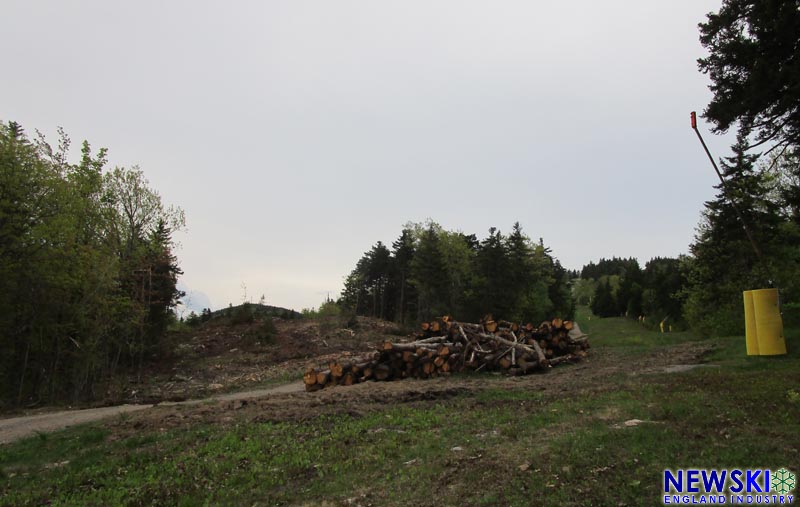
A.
pixel 628 336
pixel 493 447
pixel 622 332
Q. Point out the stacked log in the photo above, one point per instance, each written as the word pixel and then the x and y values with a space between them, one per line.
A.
pixel 445 346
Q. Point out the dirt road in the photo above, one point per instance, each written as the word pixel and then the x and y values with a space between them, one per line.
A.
pixel 15 428
pixel 290 402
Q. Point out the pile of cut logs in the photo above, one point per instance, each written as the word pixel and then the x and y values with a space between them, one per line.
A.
pixel 445 346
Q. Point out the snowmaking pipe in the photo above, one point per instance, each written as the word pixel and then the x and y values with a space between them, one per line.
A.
pixel 727 194
pixel 762 317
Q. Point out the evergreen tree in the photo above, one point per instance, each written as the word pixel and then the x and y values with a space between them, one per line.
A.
pixel 378 273
pixel 493 277
pixel 522 273
pixel 665 282
pixel 429 276
pixel 629 294
pixel 355 295
pixel 560 292
pixel 432 272
pixel 604 304
pixel 788 184
pixel 754 67
pixel 723 262
pixel 71 308
pixel 162 272
pixel 403 252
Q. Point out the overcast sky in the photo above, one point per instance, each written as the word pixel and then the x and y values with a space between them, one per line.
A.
pixel 296 134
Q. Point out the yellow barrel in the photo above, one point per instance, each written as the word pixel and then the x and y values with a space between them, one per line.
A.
pixel 769 326
pixel 750 333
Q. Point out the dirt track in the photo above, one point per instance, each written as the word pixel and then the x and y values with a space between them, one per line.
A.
pixel 290 402
pixel 15 428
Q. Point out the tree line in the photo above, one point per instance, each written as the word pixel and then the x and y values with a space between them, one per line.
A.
pixel 620 287
pixel 705 287
pixel 724 262
pixel 430 271
pixel 752 62
pixel 87 270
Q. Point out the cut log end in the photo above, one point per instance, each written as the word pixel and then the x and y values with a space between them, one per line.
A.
pixel 446 346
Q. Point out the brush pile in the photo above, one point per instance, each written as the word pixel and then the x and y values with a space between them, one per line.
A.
pixel 445 346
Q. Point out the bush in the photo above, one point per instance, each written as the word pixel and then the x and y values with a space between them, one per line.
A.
pixel 193 320
pixel 707 318
pixel 790 312
pixel 242 314
pixel 265 333
pixel 349 319
pixel 329 309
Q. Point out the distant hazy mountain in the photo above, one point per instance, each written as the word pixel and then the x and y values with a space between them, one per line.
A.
pixel 193 301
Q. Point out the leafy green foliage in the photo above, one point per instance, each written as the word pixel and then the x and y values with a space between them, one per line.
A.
pixel 724 262
pixel 664 282
pixel 242 314
pixel 193 320
pixel 87 277
pixel 619 287
pixel 431 271
pixel 754 69
pixel 265 332
pixel 604 303
pixel 753 65
pixel 583 290
pixel 565 446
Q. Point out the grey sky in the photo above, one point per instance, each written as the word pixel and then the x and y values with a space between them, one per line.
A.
pixel 296 134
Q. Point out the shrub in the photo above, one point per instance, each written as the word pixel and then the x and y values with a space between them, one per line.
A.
pixel 265 333
pixel 242 314
pixel 193 320
pixel 791 314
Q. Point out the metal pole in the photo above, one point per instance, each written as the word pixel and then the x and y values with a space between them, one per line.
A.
pixel 725 191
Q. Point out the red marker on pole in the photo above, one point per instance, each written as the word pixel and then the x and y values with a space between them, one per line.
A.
pixel 694 120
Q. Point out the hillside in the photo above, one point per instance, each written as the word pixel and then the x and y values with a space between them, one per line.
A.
pixel 597 433
pixel 258 310
pixel 229 353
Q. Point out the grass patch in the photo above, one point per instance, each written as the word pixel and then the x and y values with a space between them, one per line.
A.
pixel 621 332
pixel 499 446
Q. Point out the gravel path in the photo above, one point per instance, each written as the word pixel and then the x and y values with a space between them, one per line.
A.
pixel 15 428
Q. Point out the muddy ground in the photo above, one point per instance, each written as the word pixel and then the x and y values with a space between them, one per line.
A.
pixel 219 358
pixel 598 373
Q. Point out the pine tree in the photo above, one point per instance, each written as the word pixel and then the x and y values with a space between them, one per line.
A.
pixel 723 262
pixel 162 273
pixel 560 293
pixel 754 67
pixel 355 295
pixel 378 272
pixel 665 282
pixel 522 273
pixel 72 302
pixel 603 303
pixel 493 277
pixel 629 294
pixel 403 252
pixel 429 276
